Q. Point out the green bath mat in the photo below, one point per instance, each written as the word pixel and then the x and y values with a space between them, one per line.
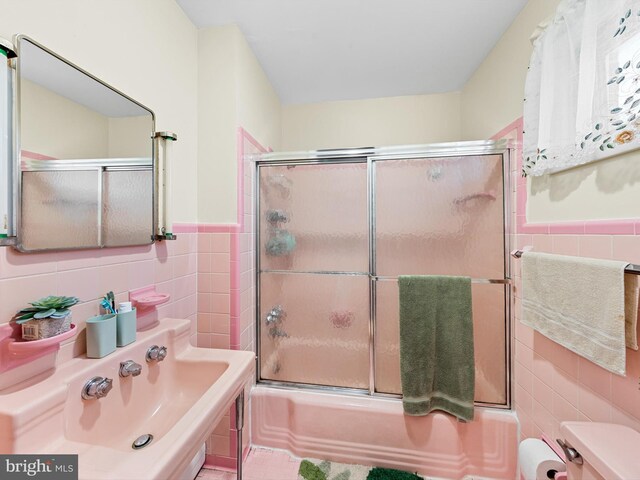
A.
pixel 325 470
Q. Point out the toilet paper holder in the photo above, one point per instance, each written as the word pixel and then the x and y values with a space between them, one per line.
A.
pixel 570 453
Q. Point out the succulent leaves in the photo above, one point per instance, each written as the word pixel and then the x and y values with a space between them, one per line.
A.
pixel 47 307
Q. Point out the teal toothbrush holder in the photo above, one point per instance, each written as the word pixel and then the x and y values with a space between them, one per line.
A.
pixel 126 324
pixel 101 335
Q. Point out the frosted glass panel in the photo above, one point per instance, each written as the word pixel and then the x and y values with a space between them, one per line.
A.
pixel 323 335
pixel 440 216
pixel 127 214
pixel 314 218
pixel 489 340
pixel 62 211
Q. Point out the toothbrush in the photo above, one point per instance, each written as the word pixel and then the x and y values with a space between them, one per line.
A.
pixel 112 299
pixel 107 305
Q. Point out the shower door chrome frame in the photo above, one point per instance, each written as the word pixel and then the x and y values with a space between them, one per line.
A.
pixel 370 155
pixel 352 159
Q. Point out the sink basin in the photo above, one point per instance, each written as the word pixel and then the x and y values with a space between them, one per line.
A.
pixel 179 401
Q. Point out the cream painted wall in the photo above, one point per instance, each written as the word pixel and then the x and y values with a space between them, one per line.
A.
pixel 55 126
pixel 372 122
pixel 154 62
pixel 259 108
pixel 217 120
pixel 232 91
pixel 493 98
pixel 129 137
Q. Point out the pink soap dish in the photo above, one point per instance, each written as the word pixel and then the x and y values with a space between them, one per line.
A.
pixel 147 297
pixel 28 347
pixel 15 352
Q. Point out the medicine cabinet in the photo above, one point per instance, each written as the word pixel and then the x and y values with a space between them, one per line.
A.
pixel 79 159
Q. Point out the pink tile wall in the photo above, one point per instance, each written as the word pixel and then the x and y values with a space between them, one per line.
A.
pixel 214 290
pixel 226 295
pixel 208 271
pixel 552 384
pixel 89 274
pixel 244 272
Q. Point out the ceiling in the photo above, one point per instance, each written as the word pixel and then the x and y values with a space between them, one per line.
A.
pixel 321 50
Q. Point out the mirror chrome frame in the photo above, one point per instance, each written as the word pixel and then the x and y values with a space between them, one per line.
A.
pixel 7 211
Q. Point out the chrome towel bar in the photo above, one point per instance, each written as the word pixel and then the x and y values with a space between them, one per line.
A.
pixel 631 268
pixel 499 281
pixel 382 278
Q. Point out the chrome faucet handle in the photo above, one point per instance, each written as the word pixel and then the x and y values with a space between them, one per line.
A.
pixel 104 388
pixel 162 353
pixel 275 315
pixel 130 368
pixel 571 453
pixel 97 387
pixel 156 354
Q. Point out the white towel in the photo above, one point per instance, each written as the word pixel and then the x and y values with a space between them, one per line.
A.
pixel 632 297
pixel 578 303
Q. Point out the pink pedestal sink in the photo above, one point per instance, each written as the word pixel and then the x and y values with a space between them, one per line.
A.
pixel 179 401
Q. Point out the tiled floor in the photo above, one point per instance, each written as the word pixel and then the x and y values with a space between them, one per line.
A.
pixel 266 464
pixel 261 464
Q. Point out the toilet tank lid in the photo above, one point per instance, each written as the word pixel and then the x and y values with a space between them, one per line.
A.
pixel 612 450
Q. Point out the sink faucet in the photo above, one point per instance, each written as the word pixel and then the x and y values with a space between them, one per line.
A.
pixel 156 354
pixel 130 368
pixel 97 387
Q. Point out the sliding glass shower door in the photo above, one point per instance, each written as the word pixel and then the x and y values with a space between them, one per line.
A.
pixel 334 235
pixel 314 274
pixel 442 216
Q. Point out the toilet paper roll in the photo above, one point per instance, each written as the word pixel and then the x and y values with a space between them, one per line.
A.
pixel 538 461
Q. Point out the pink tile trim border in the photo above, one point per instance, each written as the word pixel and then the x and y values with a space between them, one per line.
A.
pixel 611 227
pixel 235 231
pixel 34 155
pixel 592 227
pixel 570 228
pixel 217 228
pixel 185 228
pixel 241 137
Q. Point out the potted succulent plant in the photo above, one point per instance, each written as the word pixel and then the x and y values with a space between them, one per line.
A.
pixel 45 318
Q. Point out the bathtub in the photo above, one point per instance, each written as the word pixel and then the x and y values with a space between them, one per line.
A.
pixel 373 431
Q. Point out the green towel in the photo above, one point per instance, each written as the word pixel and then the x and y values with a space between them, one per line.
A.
pixel 436 345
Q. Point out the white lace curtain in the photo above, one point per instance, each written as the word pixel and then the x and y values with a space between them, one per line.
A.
pixel 582 94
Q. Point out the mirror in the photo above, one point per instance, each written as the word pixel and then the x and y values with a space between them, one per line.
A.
pixel 85 158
